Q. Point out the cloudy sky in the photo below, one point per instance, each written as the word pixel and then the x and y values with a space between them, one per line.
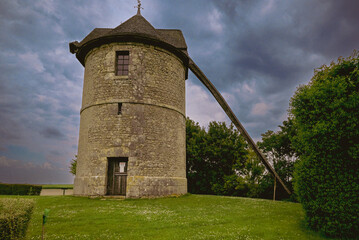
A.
pixel 255 52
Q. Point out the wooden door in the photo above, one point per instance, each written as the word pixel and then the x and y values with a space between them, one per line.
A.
pixel 117 176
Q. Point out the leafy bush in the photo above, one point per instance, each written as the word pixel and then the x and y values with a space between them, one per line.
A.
pixel 14 217
pixel 73 165
pixel 326 115
pixel 213 158
pixel 19 189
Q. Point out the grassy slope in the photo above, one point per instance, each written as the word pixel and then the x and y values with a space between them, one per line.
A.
pixel 188 217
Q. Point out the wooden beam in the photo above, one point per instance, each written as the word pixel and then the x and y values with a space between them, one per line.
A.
pixel 200 75
pixel 275 187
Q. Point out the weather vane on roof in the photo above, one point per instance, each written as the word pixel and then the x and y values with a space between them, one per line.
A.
pixel 139 7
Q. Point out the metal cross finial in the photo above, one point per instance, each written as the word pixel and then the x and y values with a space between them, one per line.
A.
pixel 139 7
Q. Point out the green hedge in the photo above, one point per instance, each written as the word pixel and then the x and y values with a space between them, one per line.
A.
pixel 326 177
pixel 14 217
pixel 19 189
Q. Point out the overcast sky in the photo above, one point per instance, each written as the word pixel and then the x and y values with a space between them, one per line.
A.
pixel 255 52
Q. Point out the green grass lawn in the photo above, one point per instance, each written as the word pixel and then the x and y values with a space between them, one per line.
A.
pixel 57 186
pixel 187 217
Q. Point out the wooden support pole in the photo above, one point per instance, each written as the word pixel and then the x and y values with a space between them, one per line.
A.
pixel 275 187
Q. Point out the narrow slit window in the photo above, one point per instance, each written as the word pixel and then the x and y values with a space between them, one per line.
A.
pixel 119 109
pixel 122 62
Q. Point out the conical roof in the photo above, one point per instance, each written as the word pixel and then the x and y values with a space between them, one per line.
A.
pixel 135 25
pixel 135 29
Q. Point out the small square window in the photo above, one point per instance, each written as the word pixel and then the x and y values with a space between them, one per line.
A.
pixel 122 62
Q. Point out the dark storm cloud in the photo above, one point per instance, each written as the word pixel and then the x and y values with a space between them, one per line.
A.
pixel 329 28
pixel 52 133
pixel 9 130
pixel 260 51
pixel 276 45
pixel 281 39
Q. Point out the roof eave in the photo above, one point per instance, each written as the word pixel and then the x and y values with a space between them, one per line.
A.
pixel 82 50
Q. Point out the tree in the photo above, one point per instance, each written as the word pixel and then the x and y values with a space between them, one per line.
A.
pixel 325 113
pixel 197 167
pixel 277 146
pixel 73 165
pixel 252 174
pixel 226 153
pixel 213 157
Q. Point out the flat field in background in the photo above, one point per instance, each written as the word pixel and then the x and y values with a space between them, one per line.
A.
pixel 186 217
pixel 57 186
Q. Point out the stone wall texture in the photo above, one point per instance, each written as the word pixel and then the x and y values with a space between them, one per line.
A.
pixel 150 131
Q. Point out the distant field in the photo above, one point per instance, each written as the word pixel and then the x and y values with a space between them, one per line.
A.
pixel 187 217
pixel 58 186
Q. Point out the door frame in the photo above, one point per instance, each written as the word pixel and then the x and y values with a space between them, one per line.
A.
pixel 122 177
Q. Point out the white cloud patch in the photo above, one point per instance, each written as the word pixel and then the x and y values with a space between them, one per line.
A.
pixel 268 7
pixel 47 5
pixel 59 55
pixel 214 21
pixel 6 162
pixel 47 165
pixel 201 106
pixel 31 172
pixel 261 109
pixel 32 61
pixel 247 88
pixel 48 77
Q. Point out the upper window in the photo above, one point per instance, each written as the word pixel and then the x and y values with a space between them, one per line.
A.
pixel 122 61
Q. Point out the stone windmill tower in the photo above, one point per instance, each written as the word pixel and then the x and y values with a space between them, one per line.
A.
pixel 132 129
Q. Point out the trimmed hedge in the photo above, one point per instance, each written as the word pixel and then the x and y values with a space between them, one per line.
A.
pixel 326 176
pixel 19 189
pixel 14 217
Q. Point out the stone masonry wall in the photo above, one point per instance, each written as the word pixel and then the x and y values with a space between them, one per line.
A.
pixel 150 131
